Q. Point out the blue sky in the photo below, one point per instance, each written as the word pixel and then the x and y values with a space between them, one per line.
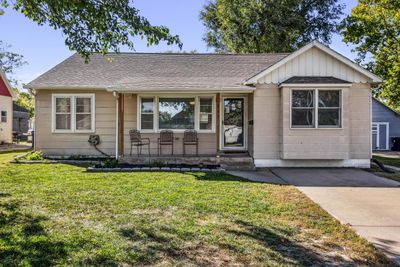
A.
pixel 44 47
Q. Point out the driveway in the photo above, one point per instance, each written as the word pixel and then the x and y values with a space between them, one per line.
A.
pixel 368 203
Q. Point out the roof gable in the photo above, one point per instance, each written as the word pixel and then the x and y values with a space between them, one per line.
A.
pixel 314 59
pixel 385 106
pixel 5 87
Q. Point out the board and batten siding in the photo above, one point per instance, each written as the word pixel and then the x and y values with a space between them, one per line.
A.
pixel 313 62
pixel 67 144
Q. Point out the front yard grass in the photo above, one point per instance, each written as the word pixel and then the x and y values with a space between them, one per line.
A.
pixel 62 215
pixel 388 160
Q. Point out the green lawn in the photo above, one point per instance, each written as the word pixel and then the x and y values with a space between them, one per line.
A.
pixel 388 160
pixel 62 215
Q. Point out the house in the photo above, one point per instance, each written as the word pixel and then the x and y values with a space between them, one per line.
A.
pixel 6 110
pixel 21 118
pixel 385 125
pixel 308 108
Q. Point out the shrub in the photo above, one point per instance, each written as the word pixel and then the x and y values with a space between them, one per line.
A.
pixel 35 155
pixel 110 163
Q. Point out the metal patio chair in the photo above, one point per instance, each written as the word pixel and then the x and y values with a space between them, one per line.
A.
pixel 166 138
pixel 137 141
pixel 190 139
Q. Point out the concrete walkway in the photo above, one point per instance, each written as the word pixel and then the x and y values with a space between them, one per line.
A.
pixel 14 147
pixel 368 203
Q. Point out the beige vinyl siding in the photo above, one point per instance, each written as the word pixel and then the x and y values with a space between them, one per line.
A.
pixel 274 138
pixel 314 62
pixel 207 141
pixel 267 123
pixel 6 127
pixel 66 144
pixel 360 120
pixel 310 143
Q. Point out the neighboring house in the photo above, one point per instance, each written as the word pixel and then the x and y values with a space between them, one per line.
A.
pixel 20 119
pixel 385 125
pixel 308 108
pixel 6 113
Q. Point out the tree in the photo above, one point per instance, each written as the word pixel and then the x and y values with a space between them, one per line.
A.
pixel 26 100
pixel 374 27
pixel 255 26
pixel 94 25
pixel 9 61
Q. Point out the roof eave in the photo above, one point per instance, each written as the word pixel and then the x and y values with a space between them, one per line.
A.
pixel 315 85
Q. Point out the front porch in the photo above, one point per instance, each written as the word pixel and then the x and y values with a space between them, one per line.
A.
pixel 220 120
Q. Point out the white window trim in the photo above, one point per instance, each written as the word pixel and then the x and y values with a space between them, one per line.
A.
pixel 73 113
pixel 156 113
pixel 316 97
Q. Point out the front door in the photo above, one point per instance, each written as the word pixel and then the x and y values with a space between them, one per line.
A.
pixel 233 123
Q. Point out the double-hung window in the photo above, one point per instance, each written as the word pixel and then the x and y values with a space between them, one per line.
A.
pixel 316 108
pixel 329 110
pixel 3 116
pixel 206 113
pixel 73 113
pixel 176 113
pixel 147 113
pixel 303 111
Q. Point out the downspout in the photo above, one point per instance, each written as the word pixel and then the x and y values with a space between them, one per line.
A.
pixel 116 96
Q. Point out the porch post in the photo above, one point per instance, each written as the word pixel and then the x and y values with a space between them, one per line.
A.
pixel 218 121
pixel 121 125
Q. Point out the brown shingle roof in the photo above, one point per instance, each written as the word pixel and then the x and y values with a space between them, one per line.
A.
pixel 143 70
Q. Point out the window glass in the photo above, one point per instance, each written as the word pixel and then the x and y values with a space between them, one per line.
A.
pixel 147 105
pixel 4 116
pixel 63 113
pixel 329 117
pixel 83 116
pixel 176 113
pixel 303 117
pixel 303 98
pixel 63 105
pixel 147 115
pixel 206 107
pixel 329 108
pixel 303 108
pixel 328 98
pixel 83 105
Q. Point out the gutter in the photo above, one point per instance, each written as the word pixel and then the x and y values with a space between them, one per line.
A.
pixel 116 96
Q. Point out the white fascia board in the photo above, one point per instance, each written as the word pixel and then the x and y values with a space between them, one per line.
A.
pixel 326 49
